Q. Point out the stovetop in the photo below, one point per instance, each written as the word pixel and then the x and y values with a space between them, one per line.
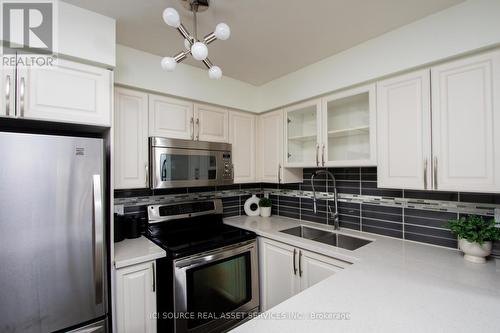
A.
pixel 187 236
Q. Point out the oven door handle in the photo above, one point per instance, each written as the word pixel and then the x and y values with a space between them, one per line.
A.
pixel 206 257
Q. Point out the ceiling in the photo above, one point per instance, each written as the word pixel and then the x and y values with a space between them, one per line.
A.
pixel 269 38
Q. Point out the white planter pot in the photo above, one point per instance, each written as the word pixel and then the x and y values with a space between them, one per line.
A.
pixel 265 211
pixel 475 252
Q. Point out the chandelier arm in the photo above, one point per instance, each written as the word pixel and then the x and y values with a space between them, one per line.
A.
pixel 208 63
pixel 181 56
pixel 209 38
pixel 185 33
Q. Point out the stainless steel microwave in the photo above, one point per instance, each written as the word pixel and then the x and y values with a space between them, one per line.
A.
pixel 187 163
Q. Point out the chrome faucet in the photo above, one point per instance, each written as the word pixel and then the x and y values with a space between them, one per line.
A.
pixel 335 216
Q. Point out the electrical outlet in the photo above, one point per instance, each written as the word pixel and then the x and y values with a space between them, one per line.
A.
pixel 497 215
pixel 119 209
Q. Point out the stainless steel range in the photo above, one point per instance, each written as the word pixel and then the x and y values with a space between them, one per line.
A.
pixel 209 280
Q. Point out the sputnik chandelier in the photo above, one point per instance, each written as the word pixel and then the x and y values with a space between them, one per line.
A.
pixel 197 48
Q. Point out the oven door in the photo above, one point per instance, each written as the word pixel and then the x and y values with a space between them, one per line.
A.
pixel 219 282
pixel 173 167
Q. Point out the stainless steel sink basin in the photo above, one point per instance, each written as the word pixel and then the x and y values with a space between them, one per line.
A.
pixel 327 237
pixel 306 232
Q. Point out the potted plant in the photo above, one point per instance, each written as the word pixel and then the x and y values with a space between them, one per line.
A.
pixel 475 236
pixel 265 207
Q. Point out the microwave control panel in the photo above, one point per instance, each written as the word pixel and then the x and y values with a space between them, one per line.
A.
pixel 227 166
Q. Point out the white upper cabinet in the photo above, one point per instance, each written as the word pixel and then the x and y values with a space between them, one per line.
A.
pixel 466 124
pixel 7 91
pixel 270 159
pixel 171 118
pixel 270 146
pixel 69 92
pixel 403 128
pixel 303 134
pixel 211 123
pixel 131 139
pixel 453 145
pixel 242 128
pixel 349 128
pixel 336 131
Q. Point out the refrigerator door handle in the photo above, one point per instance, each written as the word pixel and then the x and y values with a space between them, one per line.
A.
pixel 98 238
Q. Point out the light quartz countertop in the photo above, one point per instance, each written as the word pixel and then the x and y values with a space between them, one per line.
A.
pixel 392 286
pixel 135 251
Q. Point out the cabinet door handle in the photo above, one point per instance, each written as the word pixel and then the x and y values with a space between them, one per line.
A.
pixel 198 127
pixel 323 155
pixel 146 176
pixel 21 96
pixel 279 173
pixel 425 174
pixel 317 155
pixel 435 173
pixel 300 263
pixel 153 276
pixel 192 128
pixel 7 96
pixel 294 268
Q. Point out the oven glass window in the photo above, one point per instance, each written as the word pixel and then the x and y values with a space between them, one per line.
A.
pixel 176 167
pixel 218 287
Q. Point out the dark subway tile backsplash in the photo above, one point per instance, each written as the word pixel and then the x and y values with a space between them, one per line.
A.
pixel 413 222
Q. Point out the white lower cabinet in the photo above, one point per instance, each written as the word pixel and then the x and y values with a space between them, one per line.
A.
pixel 316 267
pixel 136 298
pixel 286 270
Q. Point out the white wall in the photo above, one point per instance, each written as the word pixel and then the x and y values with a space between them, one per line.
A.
pixel 86 35
pixel 468 26
pixel 142 70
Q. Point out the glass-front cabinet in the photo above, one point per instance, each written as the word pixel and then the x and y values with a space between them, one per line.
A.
pixel 348 128
pixel 335 131
pixel 302 134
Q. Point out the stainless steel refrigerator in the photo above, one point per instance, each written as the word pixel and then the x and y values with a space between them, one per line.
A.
pixel 52 234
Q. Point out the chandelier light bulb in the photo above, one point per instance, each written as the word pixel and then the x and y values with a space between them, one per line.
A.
pixel 171 17
pixel 222 31
pixel 199 51
pixel 215 73
pixel 168 64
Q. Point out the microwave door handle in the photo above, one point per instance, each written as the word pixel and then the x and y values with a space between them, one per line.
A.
pixel 98 238
pixel 164 170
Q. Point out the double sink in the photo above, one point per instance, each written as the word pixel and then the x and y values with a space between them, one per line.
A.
pixel 327 237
